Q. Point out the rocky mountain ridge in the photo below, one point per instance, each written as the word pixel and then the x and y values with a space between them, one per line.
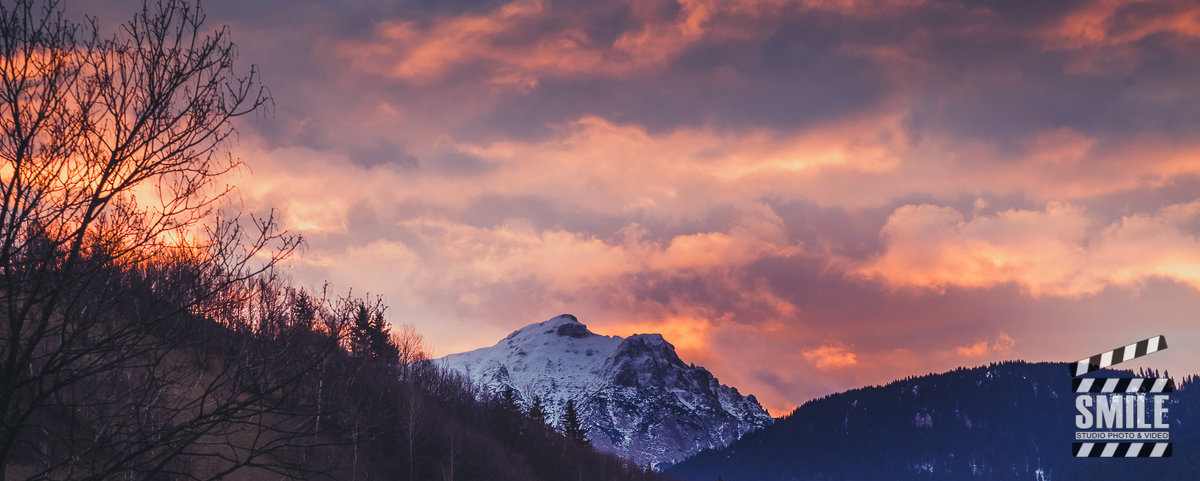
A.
pixel 636 397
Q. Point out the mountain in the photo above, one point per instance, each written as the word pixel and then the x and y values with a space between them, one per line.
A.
pixel 636 397
pixel 1005 421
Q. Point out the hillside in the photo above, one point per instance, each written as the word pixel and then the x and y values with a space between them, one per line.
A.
pixel 322 392
pixel 1007 421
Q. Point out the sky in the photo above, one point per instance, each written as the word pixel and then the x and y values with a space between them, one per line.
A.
pixel 802 196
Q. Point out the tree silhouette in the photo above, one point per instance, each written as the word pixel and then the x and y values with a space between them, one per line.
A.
pixel 370 335
pixel 537 410
pixel 572 425
pixel 117 265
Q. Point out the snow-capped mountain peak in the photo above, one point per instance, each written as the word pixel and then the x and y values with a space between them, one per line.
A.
pixel 637 397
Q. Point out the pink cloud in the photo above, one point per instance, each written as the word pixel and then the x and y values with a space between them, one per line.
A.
pixel 829 357
pixel 425 53
pixel 1058 251
pixel 1000 346
pixel 752 179
pixel 1103 36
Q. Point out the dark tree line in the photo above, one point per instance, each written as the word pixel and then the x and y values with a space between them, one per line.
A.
pixel 433 423
pixel 1004 421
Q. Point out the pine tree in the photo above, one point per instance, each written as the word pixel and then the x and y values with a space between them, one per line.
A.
pixel 370 336
pixel 360 332
pixel 572 426
pixel 304 310
pixel 382 347
pixel 508 400
pixel 537 410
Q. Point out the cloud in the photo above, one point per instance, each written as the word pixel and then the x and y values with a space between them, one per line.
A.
pixel 1118 24
pixel 1060 250
pixel 1000 346
pixel 931 246
pixel 753 179
pixel 571 264
pixel 831 357
pixel 1062 145
pixel 518 43
pixel 735 279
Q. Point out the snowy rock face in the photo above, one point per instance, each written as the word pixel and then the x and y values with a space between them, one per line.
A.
pixel 636 397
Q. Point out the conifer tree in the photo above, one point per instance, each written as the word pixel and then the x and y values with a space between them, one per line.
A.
pixel 572 426
pixel 537 410
pixel 370 335
pixel 508 400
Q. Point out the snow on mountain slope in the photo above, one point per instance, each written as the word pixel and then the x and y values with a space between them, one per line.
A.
pixel 637 398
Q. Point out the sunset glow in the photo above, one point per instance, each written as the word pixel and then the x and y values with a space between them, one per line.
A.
pixel 803 197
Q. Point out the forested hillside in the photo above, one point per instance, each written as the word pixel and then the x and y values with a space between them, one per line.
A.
pixel 1005 421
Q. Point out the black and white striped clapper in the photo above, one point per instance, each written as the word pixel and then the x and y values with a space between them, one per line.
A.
pixel 1119 385
pixel 1121 450
pixel 1118 355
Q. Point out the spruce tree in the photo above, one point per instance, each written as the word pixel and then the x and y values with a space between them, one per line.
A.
pixel 360 332
pixel 370 336
pixel 382 346
pixel 508 400
pixel 537 410
pixel 572 426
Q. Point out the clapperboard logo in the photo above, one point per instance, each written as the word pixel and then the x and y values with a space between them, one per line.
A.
pixel 1121 417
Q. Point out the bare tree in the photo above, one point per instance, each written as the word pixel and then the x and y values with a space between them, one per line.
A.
pixel 453 451
pixel 411 347
pixel 114 260
pixel 413 354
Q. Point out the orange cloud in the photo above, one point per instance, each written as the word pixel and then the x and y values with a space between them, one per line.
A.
pixel 1056 251
pixel 1063 145
pixel 624 169
pixel 595 165
pixel 933 246
pixel 1121 22
pixel 1103 36
pixel 423 53
pixel 999 346
pixel 746 237
pixel 1156 244
pixel 829 357
pixel 568 263
pixel 691 336
pixel 450 273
